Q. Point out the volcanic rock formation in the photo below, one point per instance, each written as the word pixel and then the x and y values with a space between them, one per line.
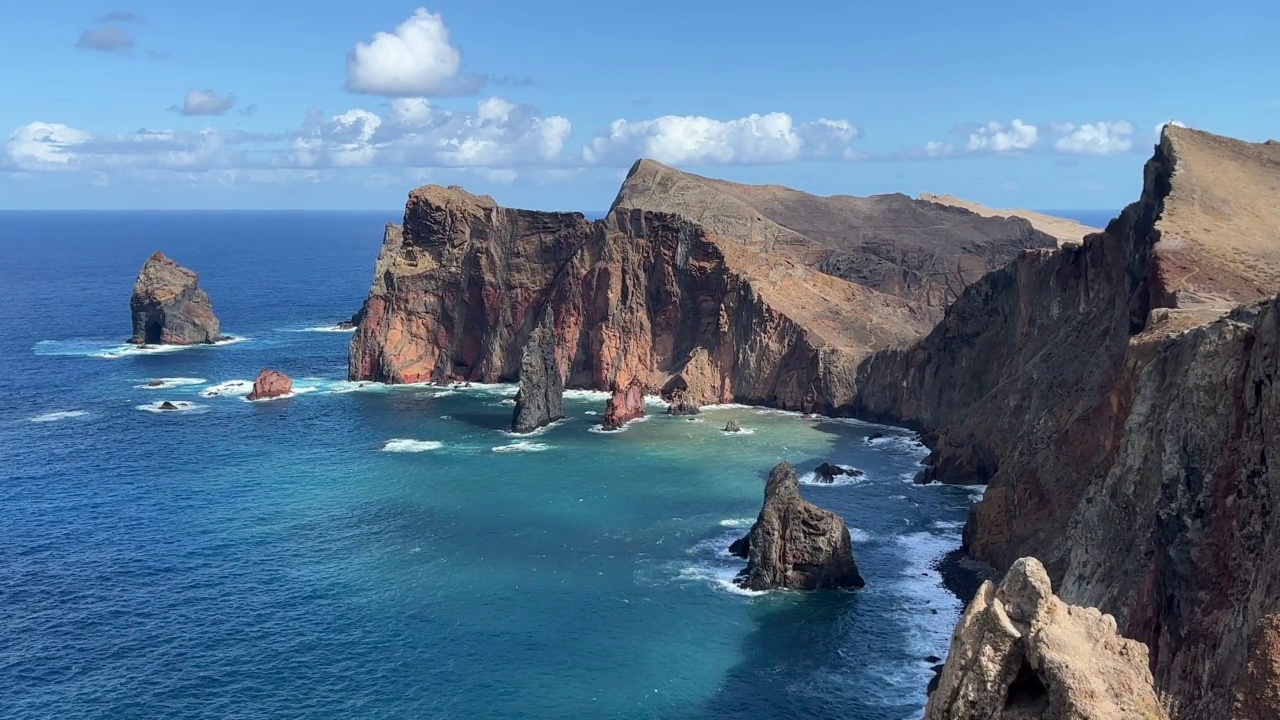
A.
pixel 1127 418
pixel 540 400
pixel 795 544
pixel 270 384
pixel 1020 653
pixel 168 306
pixel 682 285
pixel 626 404
pixel 682 404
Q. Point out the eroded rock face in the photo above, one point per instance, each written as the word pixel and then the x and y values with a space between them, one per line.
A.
pixel 540 400
pixel 168 306
pixel 795 544
pixel 270 384
pixel 626 405
pixel 1124 415
pixel 762 295
pixel 682 404
pixel 1020 653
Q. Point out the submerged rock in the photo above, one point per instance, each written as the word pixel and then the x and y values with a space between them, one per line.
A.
pixel 1020 653
pixel 828 472
pixel 270 384
pixel 682 404
pixel 795 544
pixel 166 405
pixel 732 426
pixel 626 405
pixel 540 400
pixel 168 306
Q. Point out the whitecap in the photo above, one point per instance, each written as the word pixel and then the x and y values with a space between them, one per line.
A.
pixel 859 535
pixel 179 406
pixel 589 395
pixel 340 387
pixel 921 584
pixel 234 388
pixel 507 401
pixel 949 524
pixel 335 328
pixel 60 415
pixel 727 406
pixel 600 428
pixel 720 578
pixel 536 431
pixel 297 390
pixel 169 383
pixel 777 411
pixel 588 412
pixel 407 445
pixel 438 393
pixel 737 522
pixel 121 351
pixel 522 446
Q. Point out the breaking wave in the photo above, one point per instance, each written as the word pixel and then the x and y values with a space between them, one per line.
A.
pixel 60 415
pixel 406 445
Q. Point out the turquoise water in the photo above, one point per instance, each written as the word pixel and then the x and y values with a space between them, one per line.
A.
pixel 358 551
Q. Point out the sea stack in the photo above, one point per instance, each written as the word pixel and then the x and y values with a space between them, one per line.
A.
pixel 682 404
pixel 271 384
pixel 795 544
pixel 540 400
pixel 1020 652
pixel 168 306
pixel 626 405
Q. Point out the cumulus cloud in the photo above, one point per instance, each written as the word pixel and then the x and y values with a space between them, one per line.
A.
pixel 106 38
pixel 416 59
pixel 1098 138
pixel 755 139
pixel 41 146
pixel 204 102
pixel 1000 138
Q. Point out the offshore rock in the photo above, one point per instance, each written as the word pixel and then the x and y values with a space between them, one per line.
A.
pixel 540 400
pixel 626 405
pixel 168 306
pixel 270 384
pixel 828 472
pixel 795 544
pixel 732 427
pixel 1119 398
pixel 1020 653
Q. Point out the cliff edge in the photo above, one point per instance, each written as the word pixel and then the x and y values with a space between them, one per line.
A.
pixel 1118 396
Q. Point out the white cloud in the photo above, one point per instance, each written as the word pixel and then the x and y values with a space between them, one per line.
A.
pixel 1099 138
pixel 417 58
pixel 997 137
pixel 755 139
pixel 1176 123
pixel 41 145
pixel 204 102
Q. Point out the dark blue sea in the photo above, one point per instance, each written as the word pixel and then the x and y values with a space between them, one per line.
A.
pixel 360 551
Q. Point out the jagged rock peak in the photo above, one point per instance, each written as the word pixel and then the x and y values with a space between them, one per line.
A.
pixel 168 307
pixel 1020 653
pixel 795 544
pixel 540 400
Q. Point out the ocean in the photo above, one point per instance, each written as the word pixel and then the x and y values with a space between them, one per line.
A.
pixel 360 551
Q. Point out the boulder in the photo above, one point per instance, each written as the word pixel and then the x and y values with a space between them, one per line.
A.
pixel 682 404
pixel 270 384
pixel 540 400
pixel 626 405
pixel 827 472
pixel 732 426
pixel 168 306
pixel 795 544
pixel 166 405
pixel 1020 653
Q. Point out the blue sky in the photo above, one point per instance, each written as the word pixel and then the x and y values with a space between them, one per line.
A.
pixel 287 104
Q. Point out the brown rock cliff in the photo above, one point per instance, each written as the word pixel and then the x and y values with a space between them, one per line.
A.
pixel 168 306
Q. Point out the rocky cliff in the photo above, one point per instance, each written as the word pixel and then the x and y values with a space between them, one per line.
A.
pixel 722 291
pixel 795 544
pixel 168 306
pixel 1021 653
pixel 1123 414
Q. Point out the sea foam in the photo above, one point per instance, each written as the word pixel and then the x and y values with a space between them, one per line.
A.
pixel 522 446
pixel 406 445
pixel 234 388
pixel 179 407
pixel 60 415
pixel 169 383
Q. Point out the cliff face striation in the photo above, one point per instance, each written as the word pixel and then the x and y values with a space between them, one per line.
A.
pixel 714 290
pixel 168 306
pixel 1119 398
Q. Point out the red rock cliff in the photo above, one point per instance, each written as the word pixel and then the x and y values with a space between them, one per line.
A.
pixel 1123 415
pixel 640 294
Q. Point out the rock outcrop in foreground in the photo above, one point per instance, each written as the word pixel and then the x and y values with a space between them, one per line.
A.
pixel 626 404
pixel 726 292
pixel 795 544
pixel 168 306
pixel 540 400
pixel 1020 653
pixel 270 384
pixel 1120 397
